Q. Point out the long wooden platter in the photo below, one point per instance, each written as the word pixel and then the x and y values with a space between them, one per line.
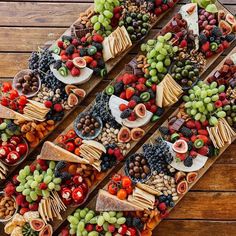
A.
pixel 156 134
pixel 88 86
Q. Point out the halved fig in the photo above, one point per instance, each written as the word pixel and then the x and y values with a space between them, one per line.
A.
pixel 180 146
pixel 182 187
pixel 140 110
pixel 191 177
pixel 230 19
pixel 137 133
pixel 79 92
pixel 79 62
pixel 69 88
pixel 47 231
pixel 225 27
pixel 234 27
pixel 179 176
pixel 72 100
pixel 37 224
pixel 124 135
pixel 221 15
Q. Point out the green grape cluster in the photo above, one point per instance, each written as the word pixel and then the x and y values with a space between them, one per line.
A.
pixel 200 103
pixel 159 54
pixel 31 183
pixel 82 217
pixel 102 21
pixel 8 129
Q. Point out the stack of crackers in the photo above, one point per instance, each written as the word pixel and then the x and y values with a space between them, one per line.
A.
pixel 221 134
pixel 35 110
pixel 142 198
pixel 3 170
pixel 92 151
pixel 167 92
pixel 117 42
pixel 50 207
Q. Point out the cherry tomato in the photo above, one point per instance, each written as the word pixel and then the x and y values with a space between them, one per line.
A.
pixel 122 194
pixel 22 100
pixel 126 182
pixel 78 141
pixel 116 178
pixel 6 86
pixel 61 139
pixel 70 147
pixel 112 188
pixel 13 94
pixel 77 151
pixel 129 190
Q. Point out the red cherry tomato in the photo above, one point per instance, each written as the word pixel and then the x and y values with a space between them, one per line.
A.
pixel 112 188
pixel 71 134
pixel 126 182
pixel 116 177
pixel 70 147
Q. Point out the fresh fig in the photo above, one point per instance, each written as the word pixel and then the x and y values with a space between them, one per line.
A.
pixel 179 176
pixel 140 110
pixel 191 177
pixel 69 88
pixel 72 100
pixel 230 19
pixel 79 92
pixel 37 224
pixel 79 62
pixel 137 133
pixel 221 15
pixel 47 231
pixel 234 27
pixel 225 27
pixel 182 187
pixel 180 146
pixel 124 135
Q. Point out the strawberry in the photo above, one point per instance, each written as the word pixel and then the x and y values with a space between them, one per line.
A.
pixel 75 42
pixel 162 206
pixel 93 64
pixel 33 206
pixel 88 59
pixel 153 108
pixel 123 95
pixel 132 117
pixel 190 124
pixel 129 92
pixel 154 87
pixel 148 105
pixel 60 44
pixel 158 11
pixel 198 124
pixel 206 46
pixel 83 39
pixel 220 48
pixel 126 79
pixel 117 16
pixel 132 104
pixel 64 58
pixel 205 123
pixel 142 80
pixel 69 65
pixel 181 156
pixel 225 44
pixel 193 138
pixel 123 107
pixel 48 104
pixel 74 55
pixel 63 52
pixel 203 150
pixel 193 153
pixel 97 38
pixel 117 152
pixel 170 4
pixel 110 151
pixel 183 43
pixel 141 87
pixel 75 71
pixel 203 132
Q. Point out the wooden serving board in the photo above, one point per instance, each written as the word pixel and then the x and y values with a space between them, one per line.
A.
pixel 201 172
pixel 88 86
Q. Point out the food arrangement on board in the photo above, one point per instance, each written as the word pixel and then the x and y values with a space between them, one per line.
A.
pixel 155 178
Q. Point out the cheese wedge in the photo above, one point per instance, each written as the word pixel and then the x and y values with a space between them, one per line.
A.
pixel 108 202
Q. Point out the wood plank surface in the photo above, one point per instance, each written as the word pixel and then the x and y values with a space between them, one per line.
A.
pixel 26 24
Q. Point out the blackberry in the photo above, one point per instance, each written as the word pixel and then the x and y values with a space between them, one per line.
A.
pixel 171 204
pixel 164 130
pixel 65 176
pixel 70 49
pixel 66 38
pixel 60 165
pixel 101 63
pixel 119 87
pixel 160 111
pixel 216 31
pixel 230 37
pixel 186 131
pixel 96 71
pixel 212 39
pixel 202 38
pixel 129 221
pixel 136 99
pixel 125 114
pixel 152 94
pixel 57 64
pixel 98 46
pixel 137 223
pixel 190 145
pixel 188 161
pixel 82 52
pixel 211 152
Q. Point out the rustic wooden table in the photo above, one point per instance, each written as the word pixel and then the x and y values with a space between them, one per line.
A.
pixel 208 209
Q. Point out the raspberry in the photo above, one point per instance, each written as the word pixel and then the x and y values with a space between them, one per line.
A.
pixel 58 107
pixel 60 44
pixel 205 47
pixel 123 107
pixel 132 104
pixel 153 108
pixel 75 42
pixel 164 7
pixel 69 65
pixel 48 104
pixel 183 43
pixel 43 186
pixel 158 11
pixel 24 210
pixel 93 64
pixel 162 206
pixel 9 189
pixel 132 117
pixel 41 162
pixel 117 152
pixel 110 151
pixel 20 199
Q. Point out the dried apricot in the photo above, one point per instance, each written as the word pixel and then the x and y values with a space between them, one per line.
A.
pixel 50 122
pixel 30 137
pixel 72 169
pixel 34 143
